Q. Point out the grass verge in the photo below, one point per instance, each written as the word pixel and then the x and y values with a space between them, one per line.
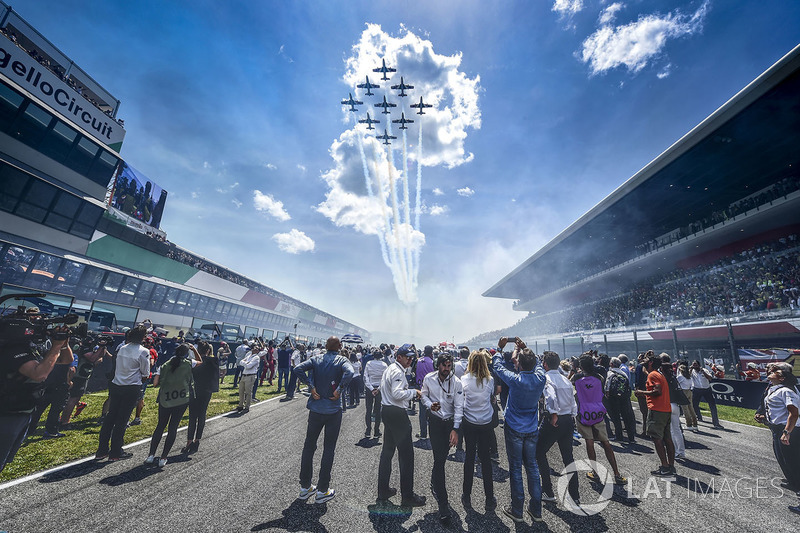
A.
pixel 38 453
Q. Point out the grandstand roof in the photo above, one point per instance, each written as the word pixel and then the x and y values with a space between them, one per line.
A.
pixel 751 142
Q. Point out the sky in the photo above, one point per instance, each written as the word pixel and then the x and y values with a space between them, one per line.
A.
pixel 540 109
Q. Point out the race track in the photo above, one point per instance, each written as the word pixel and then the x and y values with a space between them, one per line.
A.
pixel 245 478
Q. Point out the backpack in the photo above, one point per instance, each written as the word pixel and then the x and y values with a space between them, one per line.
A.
pixel 618 386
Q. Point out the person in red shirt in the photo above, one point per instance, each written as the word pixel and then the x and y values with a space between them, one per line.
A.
pixel 659 414
pixel 752 373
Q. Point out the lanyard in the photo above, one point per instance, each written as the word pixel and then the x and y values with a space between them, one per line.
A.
pixel 449 385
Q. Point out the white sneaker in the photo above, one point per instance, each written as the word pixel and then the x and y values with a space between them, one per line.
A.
pixel 150 459
pixel 323 497
pixel 306 493
pixel 162 462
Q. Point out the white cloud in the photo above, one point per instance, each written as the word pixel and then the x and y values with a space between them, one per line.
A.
pixel 608 15
pixel 301 168
pixel 282 53
pixel 195 195
pixel 665 72
pixel 466 191
pixel 294 242
pixel 567 7
pixel 633 45
pixel 270 166
pixel 206 165
pixel 437 210
pixel 266 203
pixel 438 192
pixel 237 203
pixel 229 188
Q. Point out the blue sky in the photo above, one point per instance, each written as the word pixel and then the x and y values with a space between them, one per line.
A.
pixel 542 108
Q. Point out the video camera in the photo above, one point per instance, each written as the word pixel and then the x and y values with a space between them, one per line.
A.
pixel 24 326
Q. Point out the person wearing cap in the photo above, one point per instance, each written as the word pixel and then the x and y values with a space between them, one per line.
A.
pixel 249 366
pixel 395 396
pixel 327 376
pixel 424 367
pixel 443 395
pixel 241 351
pixel 752 373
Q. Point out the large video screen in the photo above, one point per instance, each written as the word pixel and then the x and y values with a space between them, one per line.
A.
pixel 138 196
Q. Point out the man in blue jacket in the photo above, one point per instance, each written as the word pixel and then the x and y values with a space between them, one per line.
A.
pixel 327 374
pixel 521 426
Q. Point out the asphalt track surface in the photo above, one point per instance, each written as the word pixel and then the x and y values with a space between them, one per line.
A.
pixel 245 478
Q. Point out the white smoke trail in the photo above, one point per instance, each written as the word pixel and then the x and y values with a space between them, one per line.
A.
pixel 417 206
pixel 399 280
pixel 407 214
pixel 371 194
pixel 396 216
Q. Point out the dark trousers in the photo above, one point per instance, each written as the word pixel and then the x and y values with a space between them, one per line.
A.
pixel 121 401
pixel 237 374
pixel 708 396
pixel 292 387
pixel 643 409
pixel 549 435
pixel 170 418
pixel 478 437
pixel 396 436
pixel 440 442
pixel 373 410
pixel 13 428
pixel 198 407
pixel 355 388
pixel 54 397
pixel 620 410
pixel 424 415
pixel 316 422
pixel 788 456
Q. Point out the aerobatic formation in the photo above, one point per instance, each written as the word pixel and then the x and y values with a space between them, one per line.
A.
pixel 396 226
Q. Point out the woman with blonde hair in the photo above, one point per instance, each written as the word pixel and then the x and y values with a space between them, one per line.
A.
pixel 479 388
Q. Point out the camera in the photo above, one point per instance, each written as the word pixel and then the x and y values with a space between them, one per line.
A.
pixel 27 325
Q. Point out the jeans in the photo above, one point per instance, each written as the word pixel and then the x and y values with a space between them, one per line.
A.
pixel 373 410
pixel 478 437
pixel 121 402
pixel 521 450
pixel 13 429
pixel 549 435
pixel 237 374
pixel 708 395
pixel 167 416
pixel 620 411
pixel 283 377
pixel 259 375
pixel 440 442
pixel 397 436
pixel 316 422
pixel 292 388
pixel 198 407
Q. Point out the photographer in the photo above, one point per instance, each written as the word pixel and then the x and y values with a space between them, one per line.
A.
pixel 22 375
pixel 84 370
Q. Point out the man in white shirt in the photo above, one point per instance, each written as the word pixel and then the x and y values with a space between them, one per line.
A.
pixel 241 351
pixel 701 390
pixel 373 372
pixel 557 425
pixel 395 396
pixel 443 395
pixel 249 367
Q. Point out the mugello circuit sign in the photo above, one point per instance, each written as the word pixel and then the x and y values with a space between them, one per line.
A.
pixel 36 79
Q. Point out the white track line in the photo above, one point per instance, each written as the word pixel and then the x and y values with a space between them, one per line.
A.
pixel 43 473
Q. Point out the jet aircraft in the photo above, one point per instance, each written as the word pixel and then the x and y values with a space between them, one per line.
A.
pixel 403 121
pixel 385 137
pixel 368 86
pixel 386 105
pixel 402 86
pixel 383 70
pixel 351 102
pixel 369 122
pixel 421 105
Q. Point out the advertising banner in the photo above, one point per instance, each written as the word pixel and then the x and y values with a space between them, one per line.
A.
pixel 36 79
pixel 746 394
pixel 138 196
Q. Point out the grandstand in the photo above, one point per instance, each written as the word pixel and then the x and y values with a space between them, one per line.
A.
pixel 695 255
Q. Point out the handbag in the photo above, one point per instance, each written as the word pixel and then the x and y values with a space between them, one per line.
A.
pixel 495 411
